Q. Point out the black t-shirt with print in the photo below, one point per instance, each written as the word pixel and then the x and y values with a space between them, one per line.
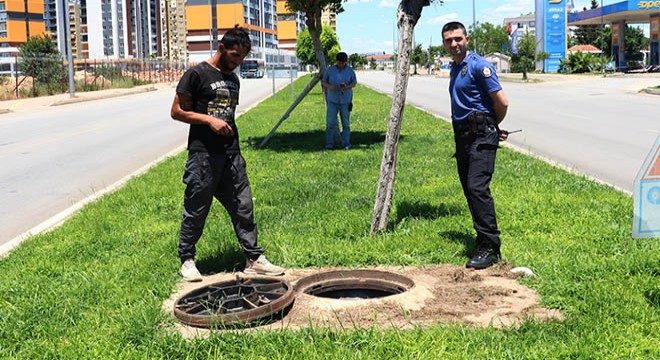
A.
pixel 214 93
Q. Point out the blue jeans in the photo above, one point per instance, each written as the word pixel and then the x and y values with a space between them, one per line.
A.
pixel 332 127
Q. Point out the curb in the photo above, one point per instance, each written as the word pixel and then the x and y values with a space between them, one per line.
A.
pixel 652 91
pixel 101 96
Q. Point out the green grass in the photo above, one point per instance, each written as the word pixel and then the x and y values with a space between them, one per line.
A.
pixel 94 287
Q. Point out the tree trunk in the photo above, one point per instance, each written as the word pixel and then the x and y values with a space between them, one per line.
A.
pixel 314 26
pixel 408 13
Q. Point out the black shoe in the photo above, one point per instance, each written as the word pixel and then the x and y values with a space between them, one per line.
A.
pixel 483 259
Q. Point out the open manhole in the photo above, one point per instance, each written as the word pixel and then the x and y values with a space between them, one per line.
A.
pixel 354 284
pixel 234 302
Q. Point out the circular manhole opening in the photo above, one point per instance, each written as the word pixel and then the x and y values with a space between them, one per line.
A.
pixel 242 301
pixel 354 284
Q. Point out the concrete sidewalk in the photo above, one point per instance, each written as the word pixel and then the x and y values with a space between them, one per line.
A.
pixel 27 104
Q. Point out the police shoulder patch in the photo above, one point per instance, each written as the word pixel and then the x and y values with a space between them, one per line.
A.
pixel 486 72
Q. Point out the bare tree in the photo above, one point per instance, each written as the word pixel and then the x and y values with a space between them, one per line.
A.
pixel 408 13
pixel 312 10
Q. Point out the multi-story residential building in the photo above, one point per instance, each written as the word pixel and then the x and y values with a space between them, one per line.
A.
pixel 518 26
pixel 259 17
pixel 173 25
pixel 19 19
pixel 329 18
pixel 76 33
pixel 289 25
pixel 122 29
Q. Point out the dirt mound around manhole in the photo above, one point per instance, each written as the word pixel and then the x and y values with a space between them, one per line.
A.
pixel 441 294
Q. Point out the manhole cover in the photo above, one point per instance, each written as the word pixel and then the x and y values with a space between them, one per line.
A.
pixel 240 301
pixel 354 284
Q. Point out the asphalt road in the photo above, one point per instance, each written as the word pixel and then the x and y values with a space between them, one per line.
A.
pixel 601 127
pixel 53 159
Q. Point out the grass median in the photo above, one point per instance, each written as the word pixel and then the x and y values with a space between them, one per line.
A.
pixel 94 287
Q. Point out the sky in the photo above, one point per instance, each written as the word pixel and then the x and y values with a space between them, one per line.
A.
pixel 369 26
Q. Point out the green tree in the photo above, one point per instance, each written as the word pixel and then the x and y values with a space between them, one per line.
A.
pixel 487 38
pixel 436 51
pixel 523 60
pixel 40 59
pixel 356 60
pixel 305 47
pixel 579 62
pixel 542 56
pixel 635 41
pixel 419 56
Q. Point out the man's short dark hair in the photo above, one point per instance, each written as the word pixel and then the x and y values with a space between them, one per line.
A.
pixel 454 25
pixel 342 56
pixel 237 36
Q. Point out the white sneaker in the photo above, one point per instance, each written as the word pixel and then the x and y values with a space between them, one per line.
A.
pixel 263 267
pixel 189 271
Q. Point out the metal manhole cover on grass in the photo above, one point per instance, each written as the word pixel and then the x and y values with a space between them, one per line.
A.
pixel 233 302
pixel 354 284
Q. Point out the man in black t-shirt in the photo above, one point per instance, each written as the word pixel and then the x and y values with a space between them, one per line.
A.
pixel 206 98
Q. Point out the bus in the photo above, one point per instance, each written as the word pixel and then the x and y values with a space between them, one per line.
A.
pixel 252 68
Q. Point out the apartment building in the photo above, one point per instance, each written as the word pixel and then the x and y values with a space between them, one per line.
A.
pixel 259 17
pixel 289 25
pixel 329 18
pixel 19 19
pixel 518 26
pixel 173 25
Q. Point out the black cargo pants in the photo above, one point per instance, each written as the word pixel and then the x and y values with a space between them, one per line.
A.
pixel 222 176
pixel 477 139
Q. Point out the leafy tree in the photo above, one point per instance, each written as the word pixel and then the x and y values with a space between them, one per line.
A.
pixel 436 51
pixel 372 64
pixel 356 60
pixel 305 47
pixel 523 61
pixel 418 56
pixel 41 60
pixel 580 62
pixel 487 38
pixel 586 34
pixel 542 56
pixel 635 41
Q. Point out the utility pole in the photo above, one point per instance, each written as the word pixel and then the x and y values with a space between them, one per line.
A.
pixel 214 26
pixel 64 6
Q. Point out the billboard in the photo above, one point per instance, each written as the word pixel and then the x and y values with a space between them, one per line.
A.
pixel 554 33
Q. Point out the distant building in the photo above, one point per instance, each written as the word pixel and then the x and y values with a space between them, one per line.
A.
pixel 383 61
pixel 329 18
pixel 585 49
pixel 516 27
pixel 289 25
pixel 501 62
pixel 19 20
pixel 173 24
pixel 258 17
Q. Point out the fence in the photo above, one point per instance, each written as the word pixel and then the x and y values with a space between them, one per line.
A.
pixel 31 77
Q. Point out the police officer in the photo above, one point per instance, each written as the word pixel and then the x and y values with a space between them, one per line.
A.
pixel 478 105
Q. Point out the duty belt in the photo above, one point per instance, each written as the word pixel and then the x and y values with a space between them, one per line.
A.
pixel 475 123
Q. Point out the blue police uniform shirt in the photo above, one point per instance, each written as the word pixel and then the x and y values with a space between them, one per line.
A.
pixel 334 76
pixel 470 85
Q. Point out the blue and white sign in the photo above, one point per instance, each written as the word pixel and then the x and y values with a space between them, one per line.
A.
pixel 646 215
pixel 554 33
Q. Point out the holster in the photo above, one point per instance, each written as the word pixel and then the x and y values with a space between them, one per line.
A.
pixel 478 122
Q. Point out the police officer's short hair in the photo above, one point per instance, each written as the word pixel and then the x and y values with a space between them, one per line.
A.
pixel 454 25
pixel 236 36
